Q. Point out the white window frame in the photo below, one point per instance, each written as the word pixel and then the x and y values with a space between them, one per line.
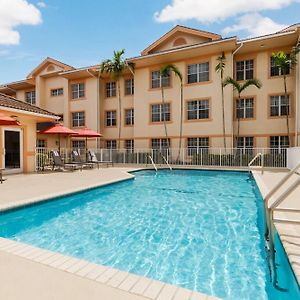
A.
pixel 129 86
pixel 279 106
pixel 199 109
pixel 198 72
pixel 57 92
pixel 162 111
pixel 111 89
pixel 30 97
pixel 78 90
pixel 162 80
pixel 244 108
pixel 78 119
pixel 129 118
pixel 111 144
pixel 245 69
pixel 111 118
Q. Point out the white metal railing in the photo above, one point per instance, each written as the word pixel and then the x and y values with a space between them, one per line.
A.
pixel 202 157
pixel 254 159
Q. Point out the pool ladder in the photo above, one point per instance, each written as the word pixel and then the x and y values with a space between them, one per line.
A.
pixel 152 162
pixel 166 161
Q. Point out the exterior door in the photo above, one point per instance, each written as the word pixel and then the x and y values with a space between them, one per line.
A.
pixel 12 142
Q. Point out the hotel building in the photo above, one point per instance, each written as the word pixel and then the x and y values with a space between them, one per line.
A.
pixel 82 98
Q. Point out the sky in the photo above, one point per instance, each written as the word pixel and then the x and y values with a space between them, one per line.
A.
pixel 85 32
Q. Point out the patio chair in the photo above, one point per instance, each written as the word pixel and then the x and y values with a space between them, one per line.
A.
pixel 1 175
pixel 94 159
pixel 76 159
pixel 59 163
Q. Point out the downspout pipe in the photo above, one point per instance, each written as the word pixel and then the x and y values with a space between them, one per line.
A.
pixel 97 105
pixel 232 123
pixel 297 96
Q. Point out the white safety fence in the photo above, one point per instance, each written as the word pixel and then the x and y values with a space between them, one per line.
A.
pixel 274 158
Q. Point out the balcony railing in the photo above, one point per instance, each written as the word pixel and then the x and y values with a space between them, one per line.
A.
pixel 202 157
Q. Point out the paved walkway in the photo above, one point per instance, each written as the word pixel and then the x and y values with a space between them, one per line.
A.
pixel 30 273
pixel 289 233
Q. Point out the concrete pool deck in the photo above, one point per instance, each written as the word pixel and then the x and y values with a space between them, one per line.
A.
pixel 30 273
pixel 283 216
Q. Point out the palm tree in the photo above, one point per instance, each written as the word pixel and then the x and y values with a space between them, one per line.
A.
pixel 116 67
pixel 239 88
pixel 220 69
pixel 285 62
pixel 164 71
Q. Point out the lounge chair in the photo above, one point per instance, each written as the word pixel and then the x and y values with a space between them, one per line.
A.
pixel 94 159
pixel 1 175
pixel 59 163
pixel 76 159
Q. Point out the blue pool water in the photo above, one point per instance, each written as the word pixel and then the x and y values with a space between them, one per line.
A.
pixel 201 230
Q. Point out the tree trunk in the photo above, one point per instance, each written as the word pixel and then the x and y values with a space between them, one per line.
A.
pixel 181 120
pixel 223 113
pixel 287 110
pixel 120 114
pixel 163 115
pixel 239 119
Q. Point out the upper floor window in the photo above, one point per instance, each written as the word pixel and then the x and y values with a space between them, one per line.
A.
pixel 57 92
pixel 111 144
pixel 110 88
pixel 278 142
pixel 245 108
pixel 276 70
pixel 78 90
pixel 160 144
pixel 129 116
pixel 160 112
pixel 197 143
pixel 279 105
pixel 78 144
pixel 198 109
pixel 78 119
pixel 129 86
pixel 129 145
pixel 30 97
pixel 244 69
pixel 111 118
pixel 158 81
pixel 245 143
pixel 198 72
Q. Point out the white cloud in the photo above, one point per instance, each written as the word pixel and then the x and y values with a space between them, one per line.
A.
pixel 255 24
pixel 208 11
pixel 14 13
pixel 41 4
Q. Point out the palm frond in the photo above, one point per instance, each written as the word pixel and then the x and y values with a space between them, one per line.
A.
pixel 221 64
pixel 165 70
pixel 230 81
pixel 250 82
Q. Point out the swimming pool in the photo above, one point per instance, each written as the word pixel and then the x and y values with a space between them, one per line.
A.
pixel 201 230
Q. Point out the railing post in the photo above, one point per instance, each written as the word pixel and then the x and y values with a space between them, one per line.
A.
pixel 137 157
pixel 220 157
pixel 124 158
pixel 201 157
pixel 101 154
pixel 262 161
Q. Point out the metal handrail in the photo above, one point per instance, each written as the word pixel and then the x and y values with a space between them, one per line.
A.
pixel 269 214
pixel 152 162
pixel 166 161
pixel 254 159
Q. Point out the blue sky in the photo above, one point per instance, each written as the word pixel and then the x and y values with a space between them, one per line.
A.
pixel 83 33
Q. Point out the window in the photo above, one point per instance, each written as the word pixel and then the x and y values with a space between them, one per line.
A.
pixel 158 81
pixel 77 90
pixel 57 92
pixel 160 144
pixel 111 118
pixel 245 108
pixel 129 145
pixel 245 143
pixel 110 88
pixel 275 70
pixel 129 116
pixel 78 144
pixel 196 144
pixel 111 144
pixel 244 69
pixel 279 142
pixel 78 119
pixel 129 86
pixel 160 112
pixel 198 109
pixel 198 72
pixel 41 143
pixel 279 106
pixel 30 97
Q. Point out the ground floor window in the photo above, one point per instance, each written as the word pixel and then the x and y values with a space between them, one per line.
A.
pixel 245 143
pixel 129 146
pixel 78 144
pixel 195 144
pixel 279 142
pixel 40 143
pixel 111 144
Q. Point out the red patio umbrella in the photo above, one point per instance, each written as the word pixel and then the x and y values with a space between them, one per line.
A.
pixel 88 133
pixel 6 120
pixel 59 129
